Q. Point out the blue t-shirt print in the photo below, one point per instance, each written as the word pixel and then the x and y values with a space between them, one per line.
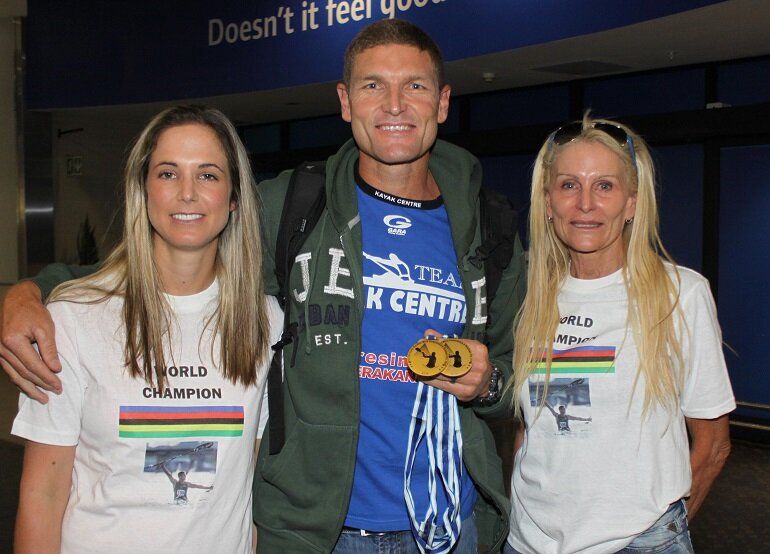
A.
pixel 411 284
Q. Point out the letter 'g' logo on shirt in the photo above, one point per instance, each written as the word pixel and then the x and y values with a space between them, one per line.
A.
pixel 397 224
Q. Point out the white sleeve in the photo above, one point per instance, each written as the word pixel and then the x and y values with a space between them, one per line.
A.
pixel 707 392
pixel 264 414
pixel 57 422
pixel 275 315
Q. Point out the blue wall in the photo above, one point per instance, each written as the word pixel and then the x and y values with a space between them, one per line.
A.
pixel 744 268
pixel 97 52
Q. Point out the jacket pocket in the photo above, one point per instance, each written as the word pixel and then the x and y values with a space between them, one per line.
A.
pixel 306 485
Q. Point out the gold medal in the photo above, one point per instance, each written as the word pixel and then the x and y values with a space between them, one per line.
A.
pixel 459 358
pixel 427 357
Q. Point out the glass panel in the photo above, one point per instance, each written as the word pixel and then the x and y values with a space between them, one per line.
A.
pixel 649 93
pixel 520 107
pixel 262 138
pixel 744 83
pixel 321 131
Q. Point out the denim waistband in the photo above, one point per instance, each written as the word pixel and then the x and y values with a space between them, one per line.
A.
pixel 365 533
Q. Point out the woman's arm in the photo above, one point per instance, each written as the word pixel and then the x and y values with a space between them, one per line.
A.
pixel 46 480
pixel 709 448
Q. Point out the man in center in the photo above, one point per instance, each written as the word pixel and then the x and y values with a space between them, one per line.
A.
pixel 371 458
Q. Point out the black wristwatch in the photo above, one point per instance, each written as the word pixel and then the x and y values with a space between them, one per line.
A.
pixel 495 389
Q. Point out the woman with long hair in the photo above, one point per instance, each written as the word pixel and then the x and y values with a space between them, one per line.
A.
pixel 165 352
pixel 618 354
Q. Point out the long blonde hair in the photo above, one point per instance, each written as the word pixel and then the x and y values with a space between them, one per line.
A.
pixel 240 319
pixel 653 297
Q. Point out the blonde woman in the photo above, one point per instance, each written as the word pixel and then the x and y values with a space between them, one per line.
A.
pixel 623 348
pixel 164 354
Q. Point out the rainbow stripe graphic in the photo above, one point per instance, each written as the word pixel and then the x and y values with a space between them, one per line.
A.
pixel 581 359
pixel 180 421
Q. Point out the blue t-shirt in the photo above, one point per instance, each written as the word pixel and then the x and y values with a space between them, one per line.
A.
pixel 411 284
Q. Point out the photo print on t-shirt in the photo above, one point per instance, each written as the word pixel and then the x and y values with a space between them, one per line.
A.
pixel 569 394
pixel 182 472
pixel 179 469
pixel 568 401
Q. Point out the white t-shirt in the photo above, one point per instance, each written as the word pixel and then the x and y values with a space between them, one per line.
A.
pixel 593 472
pixel 128 436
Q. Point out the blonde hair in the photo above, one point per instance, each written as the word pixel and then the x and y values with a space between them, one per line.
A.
pixel 240 319
pixel 653 297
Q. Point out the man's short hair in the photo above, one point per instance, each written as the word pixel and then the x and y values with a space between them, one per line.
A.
pixel 393 31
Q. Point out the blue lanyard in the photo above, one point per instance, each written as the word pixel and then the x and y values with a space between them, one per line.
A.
pixel 436 420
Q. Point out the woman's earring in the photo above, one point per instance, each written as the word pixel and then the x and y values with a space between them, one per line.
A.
pixel 629 221
pixel 550 219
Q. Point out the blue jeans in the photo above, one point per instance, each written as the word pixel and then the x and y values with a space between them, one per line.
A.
pixel 668 535
pixel 401 542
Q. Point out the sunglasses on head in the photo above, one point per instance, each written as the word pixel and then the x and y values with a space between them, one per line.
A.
pixel 570 131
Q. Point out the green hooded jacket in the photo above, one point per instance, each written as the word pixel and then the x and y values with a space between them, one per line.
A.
pixel 301 494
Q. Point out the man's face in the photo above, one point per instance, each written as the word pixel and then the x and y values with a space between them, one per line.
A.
pixel 394 104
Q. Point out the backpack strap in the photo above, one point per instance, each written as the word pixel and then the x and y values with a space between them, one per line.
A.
pixel 305 200
pixel 499 223
pixel 302 208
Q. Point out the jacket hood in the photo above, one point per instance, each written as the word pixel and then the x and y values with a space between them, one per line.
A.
pixel 458 175
pixel 341 184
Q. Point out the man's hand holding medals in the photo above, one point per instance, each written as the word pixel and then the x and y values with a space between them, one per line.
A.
pixel 460 367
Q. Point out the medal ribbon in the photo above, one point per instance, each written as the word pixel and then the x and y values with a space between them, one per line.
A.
pixel 435 420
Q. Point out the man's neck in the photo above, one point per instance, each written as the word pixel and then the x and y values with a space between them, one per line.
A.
pixel 409 180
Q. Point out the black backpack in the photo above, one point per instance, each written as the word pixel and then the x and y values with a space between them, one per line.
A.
pixel 302 208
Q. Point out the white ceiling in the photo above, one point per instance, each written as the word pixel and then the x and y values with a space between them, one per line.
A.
pixel 727 30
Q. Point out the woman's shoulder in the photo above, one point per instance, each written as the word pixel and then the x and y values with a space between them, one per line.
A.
pixel 689 281
pixel 688 277
pixel 88 304
pixel 91 297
